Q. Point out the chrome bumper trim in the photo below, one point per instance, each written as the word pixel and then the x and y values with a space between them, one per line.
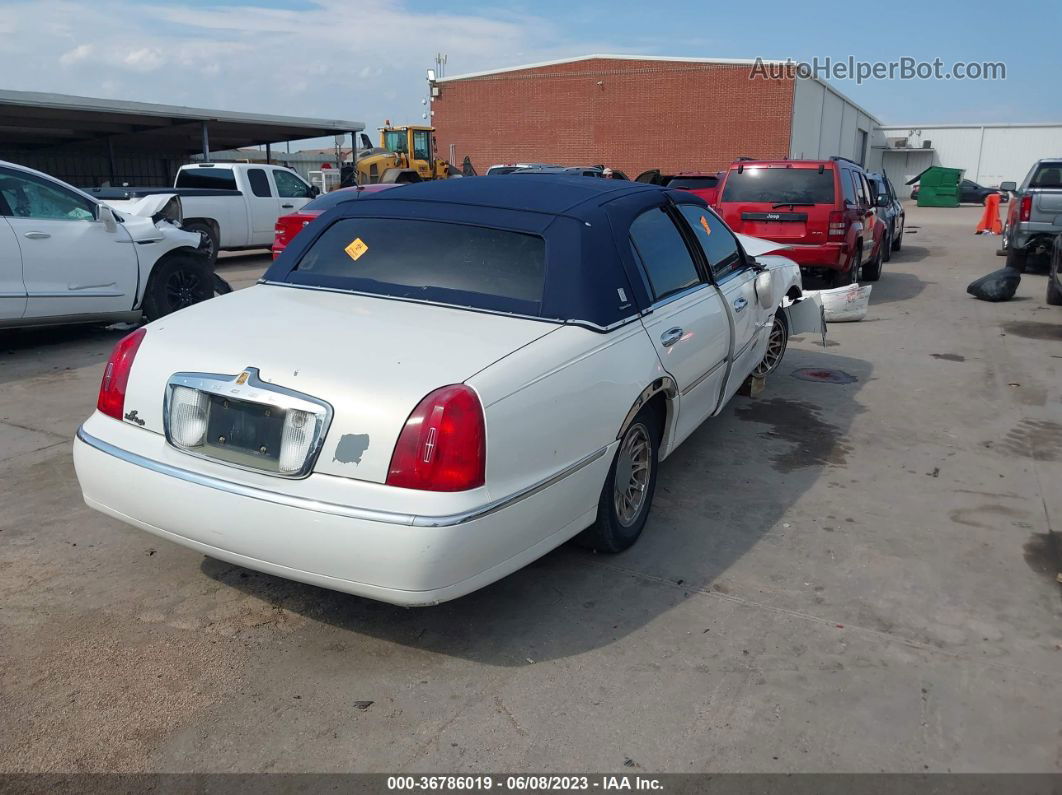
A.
pixel 335 509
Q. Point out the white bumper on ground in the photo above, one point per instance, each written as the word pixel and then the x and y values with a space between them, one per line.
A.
pixel 392 557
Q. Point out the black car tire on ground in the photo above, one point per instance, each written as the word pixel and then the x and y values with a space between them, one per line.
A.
pixel 610 533
pixel 886 246
pixel 177 282
pixel 871 271
pixel 209 246
pixel 850 276
pixel 1016 259
pixel 897 241
pixel 1054 295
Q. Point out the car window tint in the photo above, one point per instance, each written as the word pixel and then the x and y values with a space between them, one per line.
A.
pixel 27 196
pixel 774 185
pixel 847 186
pixel 693 183
pixel 718 243
pixel 206 177
pixel 1048 175
pixel 259 182
pixel 289 186
pixel 658 243
pixel 432 260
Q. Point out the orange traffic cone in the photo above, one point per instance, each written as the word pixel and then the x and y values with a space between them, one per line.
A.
pixel 990 223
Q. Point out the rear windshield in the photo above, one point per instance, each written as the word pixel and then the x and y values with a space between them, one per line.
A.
pixel 498 170
pixel 215 178
pixel 778 185
pixel 1048 175
pixel 693 183
pixel 429 260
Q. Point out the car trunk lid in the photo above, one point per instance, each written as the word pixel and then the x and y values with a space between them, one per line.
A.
pixel 372 359
pixel 785 203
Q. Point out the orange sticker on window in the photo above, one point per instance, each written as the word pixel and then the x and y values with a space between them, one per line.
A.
pixel 356 248
pixel 704 223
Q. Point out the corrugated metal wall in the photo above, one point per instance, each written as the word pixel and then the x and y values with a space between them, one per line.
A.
pixel 989 154
pixel 826 123
pixel 90 168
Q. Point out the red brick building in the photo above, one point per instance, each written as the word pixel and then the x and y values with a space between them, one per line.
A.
pixel 640 112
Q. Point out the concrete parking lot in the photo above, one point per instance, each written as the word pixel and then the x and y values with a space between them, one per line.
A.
pixel 835 577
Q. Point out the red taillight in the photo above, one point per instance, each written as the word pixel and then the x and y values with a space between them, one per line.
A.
pixel 838 226
pixel 1026 208
pixel 443 444
pixel 116 375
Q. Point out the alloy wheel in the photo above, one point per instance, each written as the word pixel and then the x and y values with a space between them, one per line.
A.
pixel 633 469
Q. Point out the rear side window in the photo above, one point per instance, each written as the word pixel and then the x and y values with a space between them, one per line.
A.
pixel 429 260
pixel 693 183
pixel 210 178
pixel 715 239
pixel 659 245
pixel 780 185
pixel 1048 175
pixel 259 182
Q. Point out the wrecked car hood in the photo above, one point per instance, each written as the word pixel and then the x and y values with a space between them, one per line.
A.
pixel 756 246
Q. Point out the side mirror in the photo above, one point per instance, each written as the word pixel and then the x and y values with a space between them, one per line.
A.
pixel 106 214
pixel 1008 186
pixel 314 191
pixel 884 200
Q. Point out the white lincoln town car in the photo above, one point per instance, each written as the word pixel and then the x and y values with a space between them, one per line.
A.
pixel 432 387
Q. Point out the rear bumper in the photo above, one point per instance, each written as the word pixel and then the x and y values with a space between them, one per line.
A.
pixel 401 559
pixel 833 256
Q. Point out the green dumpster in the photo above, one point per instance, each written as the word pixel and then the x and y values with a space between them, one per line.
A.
pixel 938 186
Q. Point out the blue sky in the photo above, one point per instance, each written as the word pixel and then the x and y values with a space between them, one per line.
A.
pixel 365 59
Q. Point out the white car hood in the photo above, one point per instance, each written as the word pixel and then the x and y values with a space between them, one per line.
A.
pixel 372 359
pixel 136 216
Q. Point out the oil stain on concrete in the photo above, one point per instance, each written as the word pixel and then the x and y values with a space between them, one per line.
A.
pixel 949 357
pixel 1032 330
pixel 817 443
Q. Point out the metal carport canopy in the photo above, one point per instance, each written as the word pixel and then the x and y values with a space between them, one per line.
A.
pixel 35 120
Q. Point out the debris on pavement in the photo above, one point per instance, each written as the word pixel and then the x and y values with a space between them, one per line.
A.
pixel 998 285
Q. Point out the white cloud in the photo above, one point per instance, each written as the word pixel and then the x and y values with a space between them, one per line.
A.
pixel 333 59
pixel 79 53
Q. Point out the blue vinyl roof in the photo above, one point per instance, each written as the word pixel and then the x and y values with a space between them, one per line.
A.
pixel 590 274
pixel 540 193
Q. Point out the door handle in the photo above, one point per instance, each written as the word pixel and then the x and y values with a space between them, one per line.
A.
pixel 287 206
pixel 37 235
pixel 670 337
pixel 740 304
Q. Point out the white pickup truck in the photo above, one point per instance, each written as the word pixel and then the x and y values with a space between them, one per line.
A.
pixel 232 205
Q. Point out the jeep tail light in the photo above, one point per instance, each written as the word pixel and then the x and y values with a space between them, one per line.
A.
pixel 443 444
pixel 116 374
pixel 838 227
pixel 1026 208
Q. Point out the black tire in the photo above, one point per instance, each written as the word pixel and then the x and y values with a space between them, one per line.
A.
pixel 611 532
pixel 1054 295
pixel 850 276
pixel 178 282
pixel 777 344
pixel 209 245
pixel 1016 259
pixel 871 271
pixel 897 241
pixel 886 246
pixel 221 287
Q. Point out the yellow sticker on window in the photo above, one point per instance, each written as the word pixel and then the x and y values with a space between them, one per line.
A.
pixel 356 248
pixel 704 223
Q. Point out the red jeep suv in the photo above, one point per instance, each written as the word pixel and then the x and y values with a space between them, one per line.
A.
pixel 824 210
